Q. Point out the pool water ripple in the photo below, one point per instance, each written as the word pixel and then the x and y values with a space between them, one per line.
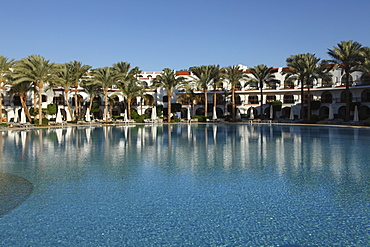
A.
pixel 182 185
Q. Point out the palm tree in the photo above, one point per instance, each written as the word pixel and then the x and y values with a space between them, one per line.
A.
pixel 64 81
pixel 5 65
pixel 105 77
pixel 262 74
pixel 348 56
pixel 91 89
pixel 203 77
pixel 21 89
pixel 169 81
pixel 365 65
pixel 306 67
pixel 217 77
pixel 296 71
pixel 77 72
pixel 130 90
pixel 36 69
pixel 234 75
pixel 189 96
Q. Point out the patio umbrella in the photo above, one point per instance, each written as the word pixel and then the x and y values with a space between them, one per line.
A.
pixel 87 115
pixel 59 116
pixel 355 117
pixel 251 116
pixel 271 112
pixel 125 116
pixel 331 114
pixel 10 115
pixel 214 116
pixel 15 116
pixel 291 117
pixel 238 116
pixel 69 117
pixel 154 114
pixel 23 116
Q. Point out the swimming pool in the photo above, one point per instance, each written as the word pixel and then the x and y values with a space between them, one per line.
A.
pixel 188 185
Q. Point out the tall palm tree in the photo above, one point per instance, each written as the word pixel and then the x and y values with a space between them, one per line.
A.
pixel 5 65
pixel 38 70
pixel 65 81
pixel 217 78
pixel 297 71
pixel 189 96
pixel 21 89
pixel 235 75
pixel 348 56
pixel 365 65
pixel 91 89
pixel 262 74
pixel 130 90
pixel 203 76
pixel 77 72
pixel 105 77
pixel 169 81
pixel 306 67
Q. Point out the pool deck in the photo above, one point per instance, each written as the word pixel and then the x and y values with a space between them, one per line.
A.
pixel 99 124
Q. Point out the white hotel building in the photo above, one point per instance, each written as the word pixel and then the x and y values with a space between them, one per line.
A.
pixel 247 98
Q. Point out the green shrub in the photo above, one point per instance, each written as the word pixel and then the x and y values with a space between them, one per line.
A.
pixel 4 124
pixel 51 109
pixel 200 118
pixel 276 105
pixel 367 122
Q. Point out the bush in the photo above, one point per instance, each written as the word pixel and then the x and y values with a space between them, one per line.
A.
pixel 4 124
pixel 276 105
pixel 367 122
pixel 200 118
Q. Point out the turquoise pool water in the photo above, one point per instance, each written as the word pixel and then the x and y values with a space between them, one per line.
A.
pixel 182 185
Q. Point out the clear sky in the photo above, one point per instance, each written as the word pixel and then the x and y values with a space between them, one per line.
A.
pixel 179 34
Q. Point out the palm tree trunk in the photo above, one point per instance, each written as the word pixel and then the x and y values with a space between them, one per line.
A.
pixel 347 97
pixel 308 102
pixel 261 102
pixel 91 101
pixel 205 102
pixel 128 108
pixel 23 103
pixel 106 104
pixel 214 98
pixel 169 95
pixel 233 102
pixel 34 97
pixel 67 101
pixel 76 104
pixel 302 99
pixel 40 86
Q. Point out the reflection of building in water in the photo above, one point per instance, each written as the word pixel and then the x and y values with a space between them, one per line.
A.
pixel 197 148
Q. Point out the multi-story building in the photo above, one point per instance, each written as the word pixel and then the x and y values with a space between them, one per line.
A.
pixel 324 95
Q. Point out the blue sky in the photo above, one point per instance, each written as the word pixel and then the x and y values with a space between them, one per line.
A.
pixel 179 34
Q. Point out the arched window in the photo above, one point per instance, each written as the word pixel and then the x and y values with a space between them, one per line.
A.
pixel 288 99
pixel 270 98
pixel 326 97
pixel 17 100
pixel 253 99
pixel 343 97
pixel 365 95
pixel 58 100
pixel 44 98
pixel 343 80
